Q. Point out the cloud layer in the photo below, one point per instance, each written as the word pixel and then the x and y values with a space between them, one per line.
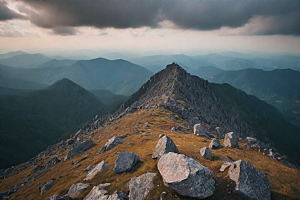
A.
pixel 256 17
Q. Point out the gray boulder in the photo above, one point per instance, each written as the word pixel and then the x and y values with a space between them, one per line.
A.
pixel 71 141
pixel 98 168
pixel 79 147
pixel 231 140
pixel 37 169
pixel 58 197
pixel 199 130
pixel 249 181
pixel 46 186
pixel 205 153
pixel 88 168
pixel 215 144
pixel 177 128
pixel 164 146
pixel 52 162
pixel 99 193
pixel 111 143
pixel 76 189
pixel 186 176
pixel 125 162
pixel 139 187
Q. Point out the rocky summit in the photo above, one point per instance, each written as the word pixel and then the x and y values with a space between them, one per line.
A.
pixel 158 121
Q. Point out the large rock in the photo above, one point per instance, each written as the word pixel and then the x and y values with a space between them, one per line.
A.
pixel 125 162
pixel 52 162
pixel 199 130
pixel 215 144
pixel 76 189
pixel 79 147
pixel 231 140
pixel 164 146
pixel 111 143
pixel 37 169
pixel 249 181
pixel 46 186
pixel 186 176
pixel 58 197
pixel 205 153
pixel 99 193
pixel 139 187
pixel 98 168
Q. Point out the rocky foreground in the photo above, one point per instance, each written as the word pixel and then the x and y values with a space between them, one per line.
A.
pixel 151 162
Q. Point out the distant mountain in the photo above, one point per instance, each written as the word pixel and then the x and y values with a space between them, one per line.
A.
pixel 11 54
pixel 11 91
pixel 109 98
pixel 57 63
pixel 215 105
pixel 118 76
pixel 31 121
pixel 158 62
pixel 15 83
pixel 280 87
pixel 25 61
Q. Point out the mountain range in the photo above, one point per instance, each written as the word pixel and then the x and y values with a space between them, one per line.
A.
pixel 173 103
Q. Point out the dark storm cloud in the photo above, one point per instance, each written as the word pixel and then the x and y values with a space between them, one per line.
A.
pixel 6 13
pixel 62 30
pixel 284 15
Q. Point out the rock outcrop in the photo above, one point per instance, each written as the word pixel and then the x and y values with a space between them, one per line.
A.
pixel 205 153
pixel 139 187
pixel 58 197
pixel 164 146
pixel 46 186
pixel 111 143
pixel 186 176
pixel 231 140
pixel 76 189
pixel 249 181
pixel 125 162
pixel 199 130
pixel 98 168
pixel 215 144
pixel 98 192
pixel 79 147
pixel 52 162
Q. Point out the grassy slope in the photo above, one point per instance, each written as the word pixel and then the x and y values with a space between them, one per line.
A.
pixel 285 182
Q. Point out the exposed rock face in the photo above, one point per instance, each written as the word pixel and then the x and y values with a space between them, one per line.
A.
pixel 177 128
pixel 215 144
pixel 111 143
pixel 205 153
pixel 199 130
pixel 79 147
pixel 125 162
pixel 71 141
pixel 231 140
pixel 98 168
pixel 164 146
pixel 46 186
pixel 99 193
pixel 76 189
pixel 51 162
pixel 37 169
pixel 249 181
pixel 139 187
pixel 58 197
pixel 88 168
pixel 186 176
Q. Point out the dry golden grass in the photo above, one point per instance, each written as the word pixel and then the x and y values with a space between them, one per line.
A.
pixel 285 182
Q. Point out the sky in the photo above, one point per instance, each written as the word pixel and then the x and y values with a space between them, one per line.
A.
pixel 152 26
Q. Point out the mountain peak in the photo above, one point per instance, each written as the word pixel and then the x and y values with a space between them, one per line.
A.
pixel 64 84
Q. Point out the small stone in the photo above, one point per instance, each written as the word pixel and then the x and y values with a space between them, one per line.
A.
pixel 215 144
pixel 76 189
pixel 205 153
pixel 125 162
